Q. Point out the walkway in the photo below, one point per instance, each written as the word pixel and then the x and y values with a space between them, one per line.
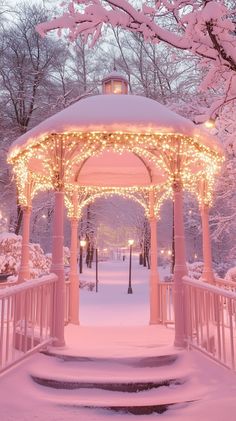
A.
pixel 112 305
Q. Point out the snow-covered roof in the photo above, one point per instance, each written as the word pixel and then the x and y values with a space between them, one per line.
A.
pixel 111 113
pixel 114 75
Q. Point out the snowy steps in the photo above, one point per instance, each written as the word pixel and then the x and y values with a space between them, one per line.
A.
pixel 153 361
pixel 112 386
pixel 129 385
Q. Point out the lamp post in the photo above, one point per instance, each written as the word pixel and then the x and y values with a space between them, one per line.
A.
pixel 82 245
pixel 96 254
pixel 130 242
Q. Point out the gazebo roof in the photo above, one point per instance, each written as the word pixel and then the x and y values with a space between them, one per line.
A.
pixel 114 75
pixel 115 144
pixel 112 113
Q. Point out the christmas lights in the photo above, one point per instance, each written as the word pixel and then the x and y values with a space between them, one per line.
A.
pixel 54 162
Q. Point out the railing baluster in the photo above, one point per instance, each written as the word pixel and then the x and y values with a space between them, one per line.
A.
pixel 212 318
pixel 26 315
pixel 8 314
pixel 2 333
pixel 207 301
pixel 222 327
pixel 231 333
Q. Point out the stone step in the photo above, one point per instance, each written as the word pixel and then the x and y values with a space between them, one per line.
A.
pixel 141 409
pixel 153 361
pixel 128 386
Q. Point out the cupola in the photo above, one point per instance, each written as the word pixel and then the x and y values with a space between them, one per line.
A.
pixel 114 83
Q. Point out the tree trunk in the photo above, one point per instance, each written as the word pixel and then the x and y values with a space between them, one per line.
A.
pixel 19 219
pixel 141 258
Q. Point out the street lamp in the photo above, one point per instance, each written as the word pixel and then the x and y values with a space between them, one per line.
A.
pixel 96 255
pixel 82 245
pixel 130 242
pixel 210 123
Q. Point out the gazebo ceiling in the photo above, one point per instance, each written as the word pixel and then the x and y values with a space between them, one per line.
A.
pixel 117 170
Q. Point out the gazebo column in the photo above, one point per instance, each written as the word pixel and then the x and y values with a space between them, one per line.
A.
pixel 24 271
pixel 154 276
pixel 180 268
pixel 57 267
pixel 74 277
pixel 207 273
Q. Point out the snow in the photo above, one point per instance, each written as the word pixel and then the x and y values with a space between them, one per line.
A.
pixel 112 113
pixel 231 275
pixel 110 350
pixel 115 291
pixel 114 75
pixel 211 288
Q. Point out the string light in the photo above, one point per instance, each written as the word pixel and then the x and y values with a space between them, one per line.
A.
pixel 52 162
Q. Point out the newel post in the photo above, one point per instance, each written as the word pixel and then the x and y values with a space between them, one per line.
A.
pixel 207 273
pixel 74 277
pixel 180 268
pixel 57 267
pixel 154 275
pixel 24 271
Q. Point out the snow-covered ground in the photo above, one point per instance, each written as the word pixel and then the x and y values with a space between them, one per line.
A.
pixel 112 305
pixel 114 324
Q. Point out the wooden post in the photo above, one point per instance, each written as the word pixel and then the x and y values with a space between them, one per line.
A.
pixel 180 268
pixel 58 268
pixel 74 278
pixel 207 274
pixel 24 272
pixel 154 275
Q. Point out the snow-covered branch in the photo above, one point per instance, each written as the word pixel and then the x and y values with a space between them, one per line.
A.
pixel 207 29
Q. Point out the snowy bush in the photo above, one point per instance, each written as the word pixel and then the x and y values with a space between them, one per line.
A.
pixel 66 252
pixel 221 268
pixel 66 255
pixel 169 278
pixel 231 275
pixel 195 269
pixel 88 285
pixel 10 256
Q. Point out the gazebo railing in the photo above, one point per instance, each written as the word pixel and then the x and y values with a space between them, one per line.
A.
pixel 210 315
pixel 26 319
pixel 223 283
pixel 166 308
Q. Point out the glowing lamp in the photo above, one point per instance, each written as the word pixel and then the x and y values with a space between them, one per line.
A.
pixel 210 124
pixel 114 83
pixel 82 243
pixel 130 242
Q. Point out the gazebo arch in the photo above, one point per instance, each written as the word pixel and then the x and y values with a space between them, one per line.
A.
pixel 120 143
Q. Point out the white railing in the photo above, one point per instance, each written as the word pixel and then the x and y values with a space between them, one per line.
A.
pixel 26 318
pixel 223 283
pixel 166 307
pixel 210 315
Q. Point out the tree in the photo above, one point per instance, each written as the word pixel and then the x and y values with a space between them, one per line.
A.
pixel 205 28
pixel 157 71
pixel 25 66
pixel 223 219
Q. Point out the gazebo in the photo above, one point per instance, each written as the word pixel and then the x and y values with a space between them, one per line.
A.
pixel 116 144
